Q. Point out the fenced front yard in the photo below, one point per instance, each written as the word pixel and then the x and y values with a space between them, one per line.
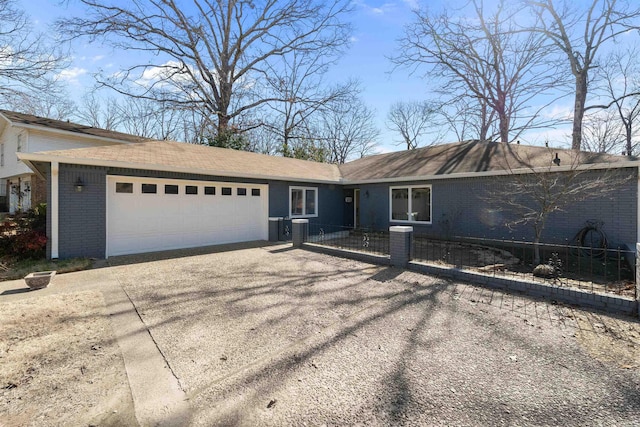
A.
pixel 591 269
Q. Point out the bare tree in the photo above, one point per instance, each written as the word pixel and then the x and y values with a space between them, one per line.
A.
pixel 211 56
pixel 580 33
pixel 620 83
pixel 28 60
pixel 100 113
pixel 348 130
pixel 297 83
pixel 411 120
pixel 542 190
pixel 487 58
pixel 602 132
pixel 50 101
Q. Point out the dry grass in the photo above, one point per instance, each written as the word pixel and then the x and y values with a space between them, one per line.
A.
pixel 12 270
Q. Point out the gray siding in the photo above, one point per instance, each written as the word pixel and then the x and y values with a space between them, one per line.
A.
pixel 331 202
pixel 82 215
pixel 460 207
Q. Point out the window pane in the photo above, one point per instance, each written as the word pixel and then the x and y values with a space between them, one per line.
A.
pixel 191 189
pixel 296 202
pixel 400 203
pixel 170 189
pixel 310 202
pixel 124 187
pixel 421 204
pixel 255 191
pixel 210 191
pixel 226 191
pixel 149 188
pixel 241 191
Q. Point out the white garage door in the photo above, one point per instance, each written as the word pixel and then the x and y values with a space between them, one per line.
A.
pixel 149 214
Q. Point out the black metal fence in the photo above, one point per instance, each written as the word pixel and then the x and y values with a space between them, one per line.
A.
pixel 340 237
pixel 585 267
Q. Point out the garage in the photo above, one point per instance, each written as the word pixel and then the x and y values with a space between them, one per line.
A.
pixel 151 214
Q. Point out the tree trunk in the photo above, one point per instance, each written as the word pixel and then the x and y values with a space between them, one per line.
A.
pixel 578 110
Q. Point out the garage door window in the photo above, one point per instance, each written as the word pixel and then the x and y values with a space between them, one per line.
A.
pixel 149 188
pixel 124 187
pixel 170 189
pixel 303 202
pixel 210 191
pixel 226 191
pixel 191 189
pixel 255 191
pixel 242 191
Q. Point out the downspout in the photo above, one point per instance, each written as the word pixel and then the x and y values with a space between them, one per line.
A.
pixel 53 209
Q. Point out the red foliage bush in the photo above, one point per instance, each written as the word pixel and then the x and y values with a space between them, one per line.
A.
pixel 29 244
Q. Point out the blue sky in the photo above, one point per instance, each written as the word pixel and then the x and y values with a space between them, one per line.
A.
pixel 377 26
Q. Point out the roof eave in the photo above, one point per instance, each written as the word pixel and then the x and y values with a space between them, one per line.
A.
pixel 43 128
pixel 522 171
pixel 27 158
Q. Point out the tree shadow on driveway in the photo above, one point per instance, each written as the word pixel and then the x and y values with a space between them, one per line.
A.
pixel 281 338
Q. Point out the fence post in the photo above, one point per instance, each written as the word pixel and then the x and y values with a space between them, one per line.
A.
pixel 274 228
pixel 299 232
pixel 638 279
pixel 400 245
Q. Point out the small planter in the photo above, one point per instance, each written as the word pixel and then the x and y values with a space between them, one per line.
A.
pixel 40 279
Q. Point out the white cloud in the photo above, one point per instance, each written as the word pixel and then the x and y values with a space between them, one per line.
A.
pixel 97 58
pixel 412 4
pixel 353 39
pixel 71 75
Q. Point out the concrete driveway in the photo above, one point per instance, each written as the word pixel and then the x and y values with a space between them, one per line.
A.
pixel 277 336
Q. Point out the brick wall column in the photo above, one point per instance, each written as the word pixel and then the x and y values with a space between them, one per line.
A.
pixel 299 232
pixel 400 245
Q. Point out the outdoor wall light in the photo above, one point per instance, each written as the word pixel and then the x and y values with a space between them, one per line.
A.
pixel 79 185
pixel 366 194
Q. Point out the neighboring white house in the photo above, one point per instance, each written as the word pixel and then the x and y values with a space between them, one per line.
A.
pixel 20 188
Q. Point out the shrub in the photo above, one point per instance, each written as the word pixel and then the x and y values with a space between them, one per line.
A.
pixel 29 244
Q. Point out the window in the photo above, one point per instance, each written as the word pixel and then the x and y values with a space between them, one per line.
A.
pixel 149 188
pixel 226 191
pixel 241 191
pixel 191 189
pixel 255 191
pixel 303 201
pixel 170 189
pixel 19 144
pixel 210 191
pixel 411 204
pixel 124 187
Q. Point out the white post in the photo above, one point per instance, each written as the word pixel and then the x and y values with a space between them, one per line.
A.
pixel 53 209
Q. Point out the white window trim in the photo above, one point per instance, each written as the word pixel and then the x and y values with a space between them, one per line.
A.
pixel 304 202
pixel 410 188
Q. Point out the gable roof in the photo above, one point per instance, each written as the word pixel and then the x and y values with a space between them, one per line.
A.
pixel 192 158
pixel 35 122
pixel 470 158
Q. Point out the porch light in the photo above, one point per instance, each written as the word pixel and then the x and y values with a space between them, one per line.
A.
pixel 556 161
pixel 79 185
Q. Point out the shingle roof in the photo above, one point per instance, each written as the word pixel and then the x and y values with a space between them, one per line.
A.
pixel 179 156
pixel 464 158
pixel 31 120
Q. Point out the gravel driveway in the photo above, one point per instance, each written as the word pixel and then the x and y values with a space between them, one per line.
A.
pixel 277 336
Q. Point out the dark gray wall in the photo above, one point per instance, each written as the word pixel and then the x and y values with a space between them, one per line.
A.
pixel 331 202
pixel 82 215
pixel 461 207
